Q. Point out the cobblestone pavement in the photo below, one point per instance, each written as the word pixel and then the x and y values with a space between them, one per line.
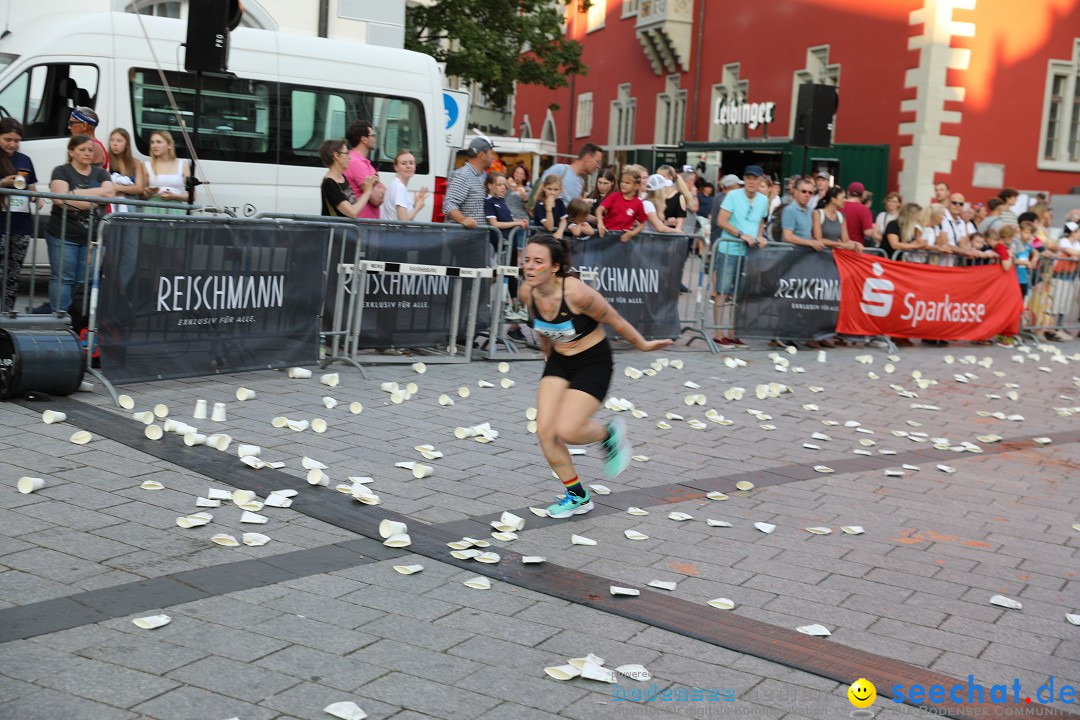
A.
pixel 326 619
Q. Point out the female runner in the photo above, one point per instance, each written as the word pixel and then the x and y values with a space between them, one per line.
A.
pixel 566 314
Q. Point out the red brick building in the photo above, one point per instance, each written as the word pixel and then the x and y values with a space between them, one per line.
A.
pixel 981 93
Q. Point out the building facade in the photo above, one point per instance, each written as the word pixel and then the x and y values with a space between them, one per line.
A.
pixel 980 93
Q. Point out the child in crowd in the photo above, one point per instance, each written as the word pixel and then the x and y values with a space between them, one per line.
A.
pixel 499 215
pixel 1023 254
pixel 576 220
pixel 1000 249
pixel 623 210
pixel 550 208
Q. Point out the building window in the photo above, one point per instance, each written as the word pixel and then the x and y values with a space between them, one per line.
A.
pixel 818 71
pixel 670 113
pixel 548 132
pixel 583 123
pixel 1060 137
pixel 594 19
pixel 730 92
pixel 630 8
pixel 621 123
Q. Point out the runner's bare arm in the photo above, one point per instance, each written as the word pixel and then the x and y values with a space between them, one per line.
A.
pixel 589 302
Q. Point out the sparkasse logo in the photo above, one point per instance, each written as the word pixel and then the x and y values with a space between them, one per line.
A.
pixel 877 293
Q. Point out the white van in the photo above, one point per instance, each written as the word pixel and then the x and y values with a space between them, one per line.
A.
pixel 260 127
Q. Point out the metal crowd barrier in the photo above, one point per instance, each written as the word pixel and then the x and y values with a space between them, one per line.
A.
pixel 1052 304
pixel 39 206
pixel 930 256
pixel 353 270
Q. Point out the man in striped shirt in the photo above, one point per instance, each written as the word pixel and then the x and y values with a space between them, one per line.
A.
pixel 464 201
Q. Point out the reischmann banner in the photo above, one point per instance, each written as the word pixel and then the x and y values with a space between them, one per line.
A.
pixel 788 293
pixel 208 296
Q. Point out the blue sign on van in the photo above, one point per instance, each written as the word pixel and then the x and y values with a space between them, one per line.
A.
pixel 450 106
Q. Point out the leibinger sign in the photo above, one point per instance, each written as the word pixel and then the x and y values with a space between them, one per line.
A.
pixel 743 113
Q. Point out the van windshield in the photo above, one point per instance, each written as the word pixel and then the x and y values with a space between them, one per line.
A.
pixel 6 59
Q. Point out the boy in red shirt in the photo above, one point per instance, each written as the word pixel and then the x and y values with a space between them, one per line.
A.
pixel 623 209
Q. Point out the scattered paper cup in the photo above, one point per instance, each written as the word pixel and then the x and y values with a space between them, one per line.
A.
pixel 722 603
pixel 254 539
pixel 153 432
pixel 253 518
pixel 50 417
pixel 299 373
pixel 422 471
pixel 562 672
pixel 219 441
pixel 463 392
pixel 224 539
pixel 27 485
pixel 445 400
pixel 126 401
pixel 581 540
pixel 408 569
pixel 151 485
pixel 345 711
pixel 616 590
pixel 244 393
pixel 200 410
pixel 191 439
pixel 311 464
pixel 507 383
pixel 329 403
pixel 317 477
pixel 298 425
pixel 398 541
pixel 81 437
pixel 478 583
pixel 248 450
pixel 242 497
pixel 161 411
pixel 86 386
pixel 356 408
pixel 219 414
pixel 216 494
pixel 151 622
pixel 815 630
pixel 389 528
pixel 319 425
pixel 329 379
pixel 389 387
pixel 146 417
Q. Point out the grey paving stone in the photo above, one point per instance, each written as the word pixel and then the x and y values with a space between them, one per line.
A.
pixel 232 678
pixel 107 683
pixel 498 626
pixel 412 660
pixel 442 701
pixel 189 703
pixel 414 632
pixel 398 602
pixel 45 704
pixel 24 587
pixel 314 634
pixel 307 700
pixel 228 642
pixel 522 687
pixel 10 689
pixel 344 673
pixel 78 638
pixel 331 585
pixel 139 652
pixel 226 610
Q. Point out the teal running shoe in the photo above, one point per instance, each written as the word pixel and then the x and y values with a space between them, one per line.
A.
pixel 570 504
pixel 617 448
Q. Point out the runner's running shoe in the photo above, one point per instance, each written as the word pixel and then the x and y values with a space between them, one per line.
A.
pixel 617 448
pixel 570 504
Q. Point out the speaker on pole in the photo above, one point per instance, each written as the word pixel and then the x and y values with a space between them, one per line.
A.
pixel 814 115
pixel 209 24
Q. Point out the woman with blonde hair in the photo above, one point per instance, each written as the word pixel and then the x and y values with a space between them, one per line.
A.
pixel 893 202
pixel 166 174
pixel 690 202
pixel 128 175
pixel 398 203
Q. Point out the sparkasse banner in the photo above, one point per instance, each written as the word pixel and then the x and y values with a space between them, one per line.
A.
pixel 911 300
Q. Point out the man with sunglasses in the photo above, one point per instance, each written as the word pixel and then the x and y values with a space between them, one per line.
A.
pixel 360 136
pixel 742 223
pixel 955 226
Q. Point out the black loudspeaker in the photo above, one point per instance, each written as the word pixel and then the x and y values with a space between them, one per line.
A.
pixel 209 23
pixel 46 361
pixel 814 115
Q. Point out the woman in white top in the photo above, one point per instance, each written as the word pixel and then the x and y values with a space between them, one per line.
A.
pixel 893 201
pixel 936 237
pixel 166 174
pixel 398 203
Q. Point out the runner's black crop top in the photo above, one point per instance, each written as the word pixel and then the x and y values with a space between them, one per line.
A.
pixel 566 327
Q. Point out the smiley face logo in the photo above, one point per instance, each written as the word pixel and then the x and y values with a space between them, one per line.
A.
pixel 862 693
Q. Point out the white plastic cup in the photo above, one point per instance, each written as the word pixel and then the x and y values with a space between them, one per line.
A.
pixel 249 450
pixel 126 402
pixel 299 373
pixel 330 379
pixel 389 387
pixel 19 182
pixel 218 414
pixel 245 394
pixel 389 528
pixel 219 441
pixel 329 403
pixel 53 416
pixel 356 408
pixel 161 410
pixel 193 438
pixel 145 417
pixel 27 485
pixel 153 432
pixel 318 425
pixel 86 386
pixel 317 477
pixel 422 471
pixel 200 410
pixel 280 421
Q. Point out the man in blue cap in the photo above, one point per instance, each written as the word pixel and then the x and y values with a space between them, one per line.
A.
pixel 742 223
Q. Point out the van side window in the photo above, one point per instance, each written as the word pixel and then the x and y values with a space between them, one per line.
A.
pixel 310 115
pixel 42 96
pixel 234 120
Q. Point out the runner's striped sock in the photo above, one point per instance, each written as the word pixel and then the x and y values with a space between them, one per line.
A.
pixel 574 487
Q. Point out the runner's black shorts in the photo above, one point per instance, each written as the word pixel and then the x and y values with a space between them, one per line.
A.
pixel 589 371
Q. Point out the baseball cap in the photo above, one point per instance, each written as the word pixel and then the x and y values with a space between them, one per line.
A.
pixel 754 170
pixel 479 144
pixel 856 188
pixel 688 168
pixel 729 180
pixel 657 182
pixel 1071 227
pixel 823 174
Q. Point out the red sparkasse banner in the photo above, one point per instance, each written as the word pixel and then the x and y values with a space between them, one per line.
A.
pixel 911 300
